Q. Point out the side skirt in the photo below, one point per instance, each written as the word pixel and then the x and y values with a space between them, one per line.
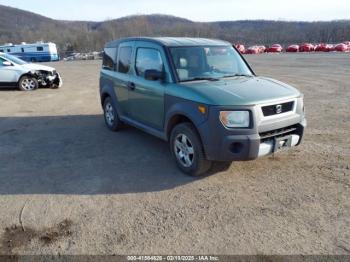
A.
pixel 152 131
pixel 8 84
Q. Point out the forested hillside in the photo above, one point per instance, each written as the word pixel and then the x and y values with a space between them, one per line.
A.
pixel 21 26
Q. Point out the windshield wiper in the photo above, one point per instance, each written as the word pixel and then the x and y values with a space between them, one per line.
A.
pixel 200 78
pixel 234 75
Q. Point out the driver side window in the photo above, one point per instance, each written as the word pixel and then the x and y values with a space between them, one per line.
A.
pixel 148 59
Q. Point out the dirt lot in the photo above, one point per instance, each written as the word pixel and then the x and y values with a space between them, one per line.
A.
pixel 77 188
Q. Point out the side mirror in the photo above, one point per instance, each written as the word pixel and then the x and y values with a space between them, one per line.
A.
pixel 7 63
pixel 154 75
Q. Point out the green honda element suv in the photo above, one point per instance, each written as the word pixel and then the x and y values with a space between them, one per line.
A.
pixel 201 96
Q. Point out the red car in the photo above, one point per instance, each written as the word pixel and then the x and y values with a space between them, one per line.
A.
pixel 261 49
pixel 240 48
pixel 276 48
pixel 292 49
pixel 252 50
pixel 323 48
pixel 307 47
pixel 341 48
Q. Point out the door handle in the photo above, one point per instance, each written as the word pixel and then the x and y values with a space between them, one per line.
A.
pixel 131 85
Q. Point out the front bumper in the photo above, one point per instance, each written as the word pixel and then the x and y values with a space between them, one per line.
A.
pixel 55 80
pixel 261 139
pixel 273 145
pixel 50 80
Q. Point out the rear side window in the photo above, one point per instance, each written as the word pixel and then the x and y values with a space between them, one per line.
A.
pixel 124 60
pixel 40 48
pixel 109 58
pixel 147 59
pixel 1 61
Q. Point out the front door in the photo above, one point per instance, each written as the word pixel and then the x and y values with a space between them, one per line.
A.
pixel 8 74
pixel 146 97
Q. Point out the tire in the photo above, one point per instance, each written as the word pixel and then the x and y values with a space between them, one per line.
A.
pixel 111 116
pixel 28 83
pixel 187 150
pixel 220 166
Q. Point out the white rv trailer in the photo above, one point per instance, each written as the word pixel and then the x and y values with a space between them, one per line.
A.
pixel 37 52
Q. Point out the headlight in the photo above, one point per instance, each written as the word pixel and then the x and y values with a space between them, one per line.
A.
pixel 235 118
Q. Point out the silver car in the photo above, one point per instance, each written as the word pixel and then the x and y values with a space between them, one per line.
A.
pixel 15 72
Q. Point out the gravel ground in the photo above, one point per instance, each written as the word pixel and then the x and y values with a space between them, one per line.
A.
pixel 70 186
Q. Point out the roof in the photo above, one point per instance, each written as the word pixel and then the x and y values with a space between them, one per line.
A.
pixel 26 44
pixel 173 41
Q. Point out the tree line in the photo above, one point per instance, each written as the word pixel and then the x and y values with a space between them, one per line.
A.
pixel 22 26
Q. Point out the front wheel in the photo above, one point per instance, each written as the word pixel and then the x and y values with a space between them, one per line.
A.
pixel 187 149
pixel 28 83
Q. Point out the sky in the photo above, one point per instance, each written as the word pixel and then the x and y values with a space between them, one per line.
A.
pixel 195 10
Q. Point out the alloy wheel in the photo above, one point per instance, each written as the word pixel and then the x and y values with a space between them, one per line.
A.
pixel 109 114
pixel 184 150
pixel 28 84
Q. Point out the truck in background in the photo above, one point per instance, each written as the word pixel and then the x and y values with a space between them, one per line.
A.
pixel 37 52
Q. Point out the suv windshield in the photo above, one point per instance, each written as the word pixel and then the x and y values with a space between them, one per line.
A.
pixel 208 62
pixel 14 59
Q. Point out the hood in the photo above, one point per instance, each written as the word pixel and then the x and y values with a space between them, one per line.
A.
pixel 38 67
pixel 241 91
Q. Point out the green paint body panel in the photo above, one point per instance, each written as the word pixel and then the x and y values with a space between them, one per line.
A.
pixel 234 91
pixel 146 101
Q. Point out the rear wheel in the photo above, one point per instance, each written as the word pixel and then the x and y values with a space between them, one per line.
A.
pixel 111 116
pixel 28 83
pixel 187 149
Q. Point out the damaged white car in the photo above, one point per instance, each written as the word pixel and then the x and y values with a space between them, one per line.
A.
pixel 15 72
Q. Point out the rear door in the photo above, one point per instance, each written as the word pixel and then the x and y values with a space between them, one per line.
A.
pixel 119 73
pixel 146 97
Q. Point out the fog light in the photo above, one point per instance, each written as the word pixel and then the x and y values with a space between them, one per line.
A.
pixel 237 147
